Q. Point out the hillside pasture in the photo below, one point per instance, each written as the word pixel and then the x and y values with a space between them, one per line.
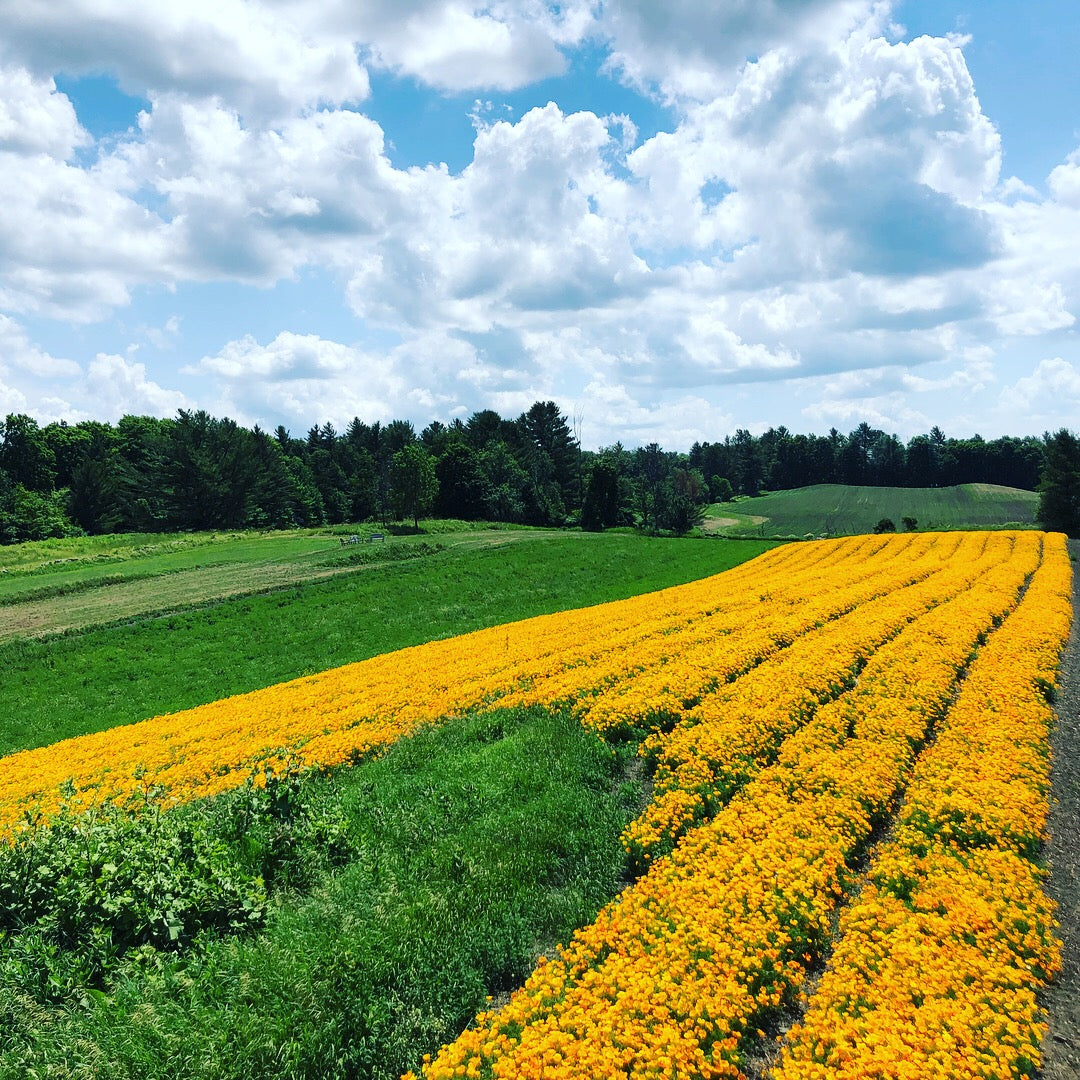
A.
pixel 825 510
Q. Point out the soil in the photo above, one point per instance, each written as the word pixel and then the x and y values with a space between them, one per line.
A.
pixel 1061 1048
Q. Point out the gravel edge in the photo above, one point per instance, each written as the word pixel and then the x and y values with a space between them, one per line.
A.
pixel 1061 1048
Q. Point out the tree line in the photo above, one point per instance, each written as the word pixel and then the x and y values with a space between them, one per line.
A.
pixel 196 471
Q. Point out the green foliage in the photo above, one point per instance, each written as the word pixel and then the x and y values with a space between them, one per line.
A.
pixel 361 554
pixel 885 525
pixel 97 883
pixel 33 515
pixel 721 490
pixel 602 507
pixel 478 845
pixel 1059 490
pixel 414 484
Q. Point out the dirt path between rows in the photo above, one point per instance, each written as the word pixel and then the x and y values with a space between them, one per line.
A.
pixel 1061 1049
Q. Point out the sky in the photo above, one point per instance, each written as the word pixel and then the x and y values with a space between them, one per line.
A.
pixel 674 219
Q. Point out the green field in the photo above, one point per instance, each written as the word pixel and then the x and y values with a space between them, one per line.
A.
pixel 840 510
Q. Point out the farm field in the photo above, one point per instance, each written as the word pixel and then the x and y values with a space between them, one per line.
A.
pixel 844 510
pixel 847 746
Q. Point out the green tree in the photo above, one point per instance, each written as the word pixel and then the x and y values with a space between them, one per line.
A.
pixel 1059 489
pixel 413 483
pixel 463 490
pixel 601 507
pixel 506 482
pixel 720 489
pixel 33 515
pixel 25 455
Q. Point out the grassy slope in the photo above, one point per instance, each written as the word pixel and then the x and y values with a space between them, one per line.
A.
pixel 62 686
pixel 839 510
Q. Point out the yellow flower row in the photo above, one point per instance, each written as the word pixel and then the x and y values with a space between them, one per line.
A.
pixel 346 712
pixel 744 619
pixel 732 734
pixel 685 671
pixel 941 958
pixel 343 714
pixel 675 975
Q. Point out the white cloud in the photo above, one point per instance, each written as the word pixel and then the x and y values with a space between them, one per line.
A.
pixel 303 377
pixel 72 240
pixel 461 46
pixel 35 118
pixel 54 388
pixel 255 204
pixel 19 354
pixel 1029 308
pixel 1053 387
pixel 1064 182
pixel 691 48
pixel 248 54
pixel 828 200
pixel 289 356
pixel 116 386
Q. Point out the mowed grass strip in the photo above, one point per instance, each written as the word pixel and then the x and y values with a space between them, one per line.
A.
pixel 73 684
pixel 478 846
pixel 156 574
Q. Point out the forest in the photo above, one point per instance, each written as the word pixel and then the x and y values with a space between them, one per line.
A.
pixel 197 471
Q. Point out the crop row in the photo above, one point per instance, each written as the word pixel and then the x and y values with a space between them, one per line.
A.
pixel 942 955
pixel 677 976
pixel 343 714
pixel 729 736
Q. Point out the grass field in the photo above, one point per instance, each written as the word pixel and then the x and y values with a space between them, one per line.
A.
pixel 306 607
pixel 842 510
pixel 475 847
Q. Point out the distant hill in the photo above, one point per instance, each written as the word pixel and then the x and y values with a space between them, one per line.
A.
pixel 841 510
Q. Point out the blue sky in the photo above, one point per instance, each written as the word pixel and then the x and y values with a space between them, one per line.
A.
pixel 675 220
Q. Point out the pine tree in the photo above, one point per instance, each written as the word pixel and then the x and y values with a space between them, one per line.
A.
pixel 1059 490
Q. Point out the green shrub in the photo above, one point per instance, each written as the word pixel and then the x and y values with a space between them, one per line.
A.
pixel 96 884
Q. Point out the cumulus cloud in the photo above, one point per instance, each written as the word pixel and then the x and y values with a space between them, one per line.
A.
pixel 827 199
pixel 116 386
pixel 301 376
pixel 19 354
pixel 253 204
pixel 689 48
pixel 54 388
pixel 1054 386
pixel 249 54
pixel 1064 182
pixel 72 239
pixel 460 46
pixel 35 118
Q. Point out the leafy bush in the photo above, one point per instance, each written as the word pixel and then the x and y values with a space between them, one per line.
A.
pixel 96 884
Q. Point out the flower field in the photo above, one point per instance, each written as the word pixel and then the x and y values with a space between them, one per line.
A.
pixel 849 743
